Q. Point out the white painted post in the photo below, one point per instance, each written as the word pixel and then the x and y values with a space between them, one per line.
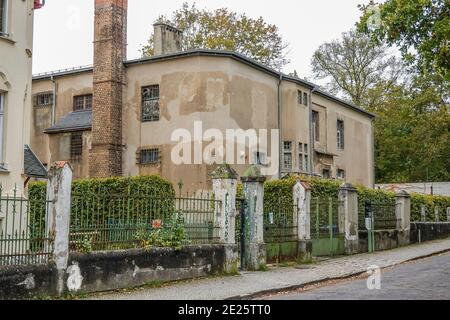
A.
pixel 423 213
pixel 255 248
pixel 348 217
pixel 403 215
pixel 436 213
pixel 302 198
pixel 59 190
pixel 225 188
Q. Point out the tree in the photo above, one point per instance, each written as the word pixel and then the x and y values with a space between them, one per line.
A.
pixel 412 132
pixel 420 28
pixel 222 29
pixel 354 65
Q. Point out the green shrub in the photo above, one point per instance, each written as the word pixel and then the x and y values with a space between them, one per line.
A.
pixel 430 202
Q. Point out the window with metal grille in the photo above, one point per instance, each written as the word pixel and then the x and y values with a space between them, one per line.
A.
pixel 340 134
pixel 287 155
pixel 3 17
pixel 44 99
pixel 83 102
pixel 316 128
pixel 76 146
pixel 150 103
pixel 149 156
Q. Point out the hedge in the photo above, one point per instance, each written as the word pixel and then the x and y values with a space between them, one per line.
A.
pixel 89 195
pixel 430 202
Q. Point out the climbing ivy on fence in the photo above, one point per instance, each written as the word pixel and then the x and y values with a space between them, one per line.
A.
pixel 95 193
pixel 430 202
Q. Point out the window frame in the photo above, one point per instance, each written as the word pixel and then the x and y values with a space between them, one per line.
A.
pixel 2 125
pixel 4 24
pixel 84 97
pixel 340 134
pixel 153 117
pixel 153 160
pixel 338 176
pixel 76 146
pixel 287 152
pixel 323 173
pixel 316 125
pixel 305 99
pixel 44 96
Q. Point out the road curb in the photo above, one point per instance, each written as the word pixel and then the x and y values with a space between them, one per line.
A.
pixel 315 282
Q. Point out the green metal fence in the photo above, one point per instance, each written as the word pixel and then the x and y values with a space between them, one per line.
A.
pixel 123 221
pixel 384 214
pixel 23 236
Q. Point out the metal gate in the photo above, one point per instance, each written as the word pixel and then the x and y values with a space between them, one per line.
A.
pixel 327 232
pixel 280 232
pixel 240 230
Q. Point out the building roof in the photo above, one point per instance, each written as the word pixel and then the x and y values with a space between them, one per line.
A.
pixel 215 53
pixel 74 121
pixel 33 166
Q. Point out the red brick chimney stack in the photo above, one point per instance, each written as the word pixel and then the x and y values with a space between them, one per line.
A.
pixel 110 41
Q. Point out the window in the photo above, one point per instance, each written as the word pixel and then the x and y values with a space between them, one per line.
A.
pixel 2 116
pixel 340 134
pixel 3 17
pixel 303 158
pixel 82 102
pixel 76 146
pixel 149 156
pixel 316 128
pixel 326 173
pixel 43 99
pixel 260 158
pixel 300 97
pixel 150 103
pixel 287 155
pixel 341 174
pixel 305 98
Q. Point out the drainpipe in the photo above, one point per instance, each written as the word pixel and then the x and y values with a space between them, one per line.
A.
pixel 54 99
pixel 280 138
pixel 373 153
pixel 311 134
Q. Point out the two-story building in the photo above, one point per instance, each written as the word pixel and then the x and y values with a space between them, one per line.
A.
pixel 17 162
pixel 118 117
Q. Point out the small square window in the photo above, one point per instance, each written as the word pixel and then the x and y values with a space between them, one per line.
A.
pixel 326 173
pixel 43 99
pixel 149 156
pixel 82 102
pixel 341 174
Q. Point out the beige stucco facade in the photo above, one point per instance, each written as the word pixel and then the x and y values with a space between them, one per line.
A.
pixel 221 91
pixel 16 45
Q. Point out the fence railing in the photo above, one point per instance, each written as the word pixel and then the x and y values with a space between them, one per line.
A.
pixel 280 222
pixel 23 235
pixel 325 217
pixel 384 214
pixel 124 221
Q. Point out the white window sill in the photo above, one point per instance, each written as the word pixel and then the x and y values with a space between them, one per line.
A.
pixel 7 39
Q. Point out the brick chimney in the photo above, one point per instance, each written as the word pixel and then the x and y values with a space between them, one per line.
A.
pixel 167 39
pixel 110 37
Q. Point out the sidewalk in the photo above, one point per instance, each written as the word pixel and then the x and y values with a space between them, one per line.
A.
pixel 251 283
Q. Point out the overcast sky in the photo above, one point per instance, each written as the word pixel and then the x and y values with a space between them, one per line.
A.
pixel 63 30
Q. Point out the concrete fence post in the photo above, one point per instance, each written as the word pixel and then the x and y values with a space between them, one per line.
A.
pixel 59 191
pixel 423 214
pixel 348 217
pixel 255 248
pixel 436 213
pixel 225 188
pixel 302 199
pixel 403 215
pixel 448 214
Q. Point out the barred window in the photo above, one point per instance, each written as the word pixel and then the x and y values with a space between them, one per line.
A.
pixel 149 156
pixel 44 99
pixel 83 102
pixel 150 103
pixel 76 146
pixel 287 155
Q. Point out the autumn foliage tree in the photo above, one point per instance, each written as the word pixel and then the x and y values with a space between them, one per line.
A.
pixel 223 29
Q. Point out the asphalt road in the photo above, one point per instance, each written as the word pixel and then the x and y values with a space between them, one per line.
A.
pixel 427 279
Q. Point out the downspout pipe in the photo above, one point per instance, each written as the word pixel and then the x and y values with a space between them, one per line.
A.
pixel 280 127
pixel 54 100
pixel 311 135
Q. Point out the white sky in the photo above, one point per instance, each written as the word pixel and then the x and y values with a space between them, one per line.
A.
pixel 63 30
